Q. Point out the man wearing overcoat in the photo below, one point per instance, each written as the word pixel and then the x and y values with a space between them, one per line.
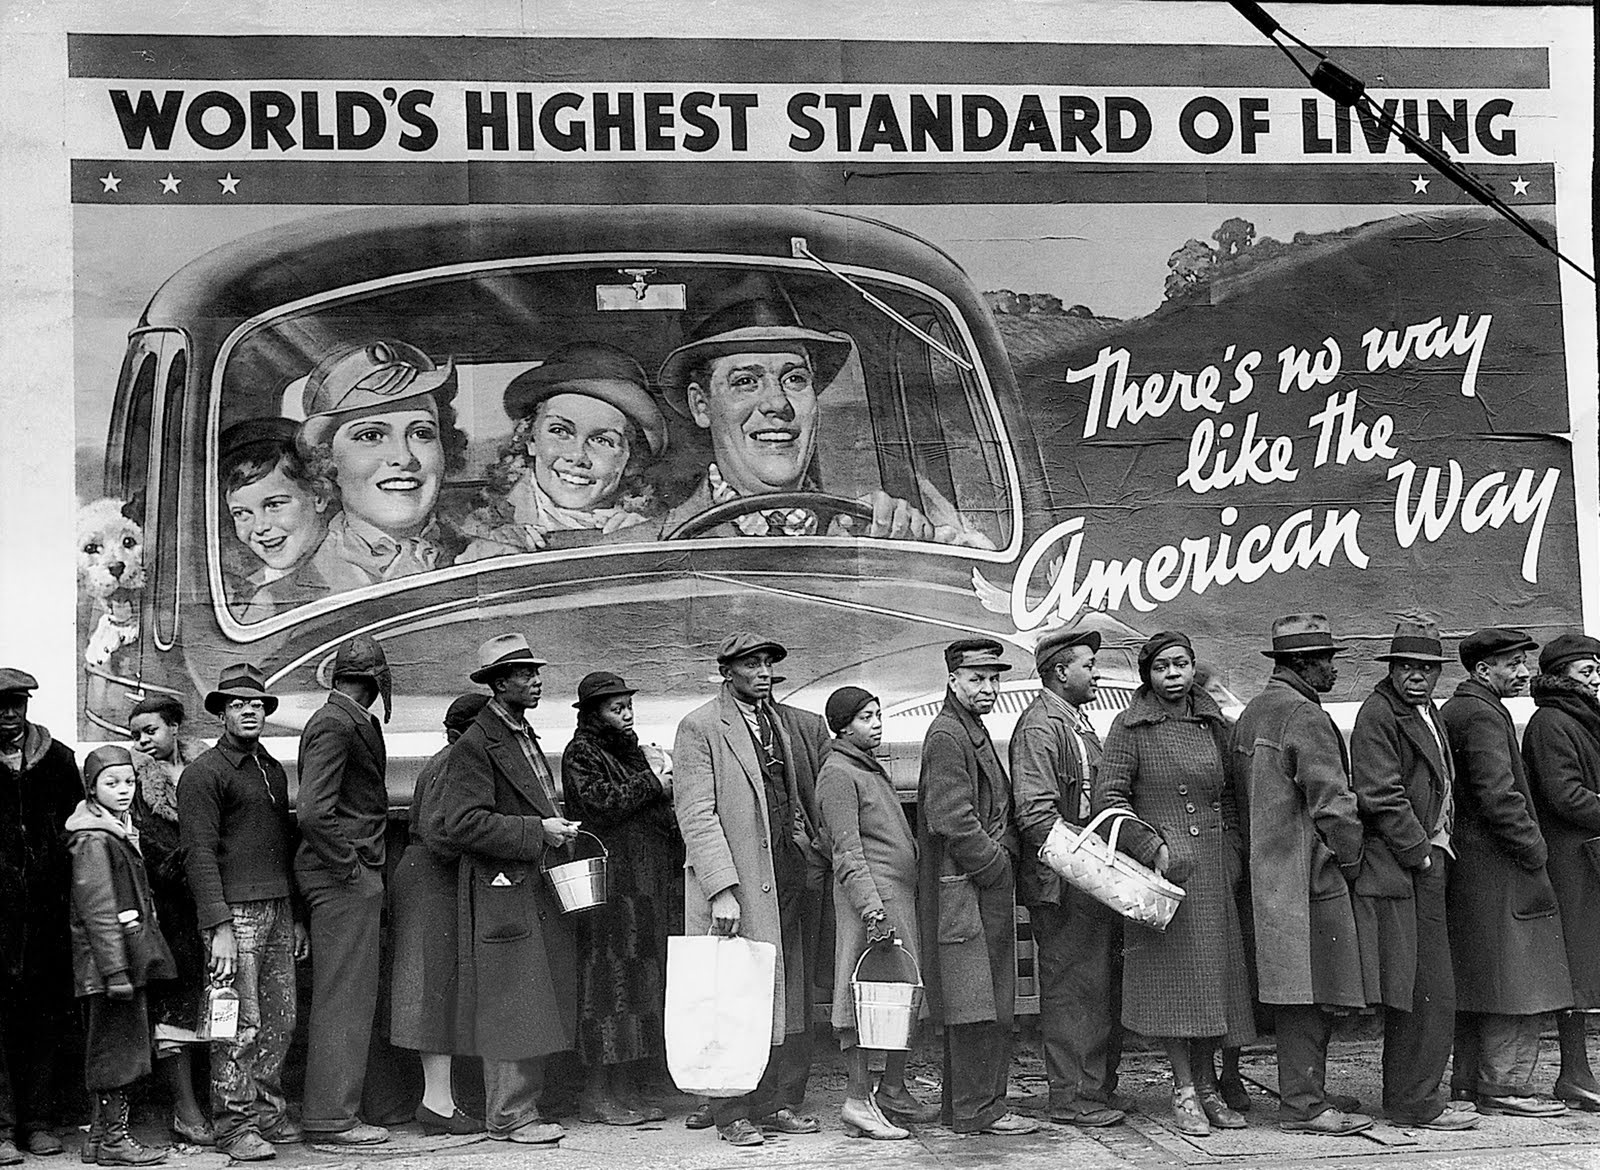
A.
pixel 1305 844
pixel 1403 781
pixel 744 792
pixel 1505 930
pixel 517 975
pixel 967 849
pixel 1078 940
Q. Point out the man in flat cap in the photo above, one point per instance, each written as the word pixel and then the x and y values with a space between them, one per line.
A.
pixel 1506 942
pixel 343 808
pixel 967 854
pixel 516 982
pixel 1404 780
pixel 238 837
pixel 744 790
pixel 1305 843
pixel 1077 940
pixel 39 788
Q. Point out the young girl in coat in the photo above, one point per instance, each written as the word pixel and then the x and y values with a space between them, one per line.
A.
pixel 117 949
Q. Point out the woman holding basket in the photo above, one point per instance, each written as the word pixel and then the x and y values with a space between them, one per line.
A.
pixel 874 898
pixel 1165 761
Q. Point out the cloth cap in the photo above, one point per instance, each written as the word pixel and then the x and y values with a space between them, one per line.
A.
pixel 597 371
pixel 503 653
pixel 1560 650
pixel 375 377
pixel 755 326
pixel 112 755
pixel 1156 644
pixel 463 710
pixel 742 642
pixel 1303 633
pixel 844 705
pixel 975 652
pixel 601 684
pixel 1416 642
pixel 1481 644
pixel 1054 643
pixel 14 681
pixel 240 681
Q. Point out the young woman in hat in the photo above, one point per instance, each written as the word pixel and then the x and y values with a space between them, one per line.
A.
pixel 1165 760
pixel 622 946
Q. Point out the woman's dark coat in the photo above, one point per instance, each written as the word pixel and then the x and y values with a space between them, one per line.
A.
pixel 424 928
pixel 155 813
pixel 1505 932
pixel 1561 749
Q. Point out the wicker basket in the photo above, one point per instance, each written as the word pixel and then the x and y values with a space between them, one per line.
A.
pixel 1095 867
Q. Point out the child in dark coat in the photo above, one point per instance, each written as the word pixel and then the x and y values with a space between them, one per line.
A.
pixel 117 949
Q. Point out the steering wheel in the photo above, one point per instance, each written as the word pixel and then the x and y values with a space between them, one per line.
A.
pixel 825 505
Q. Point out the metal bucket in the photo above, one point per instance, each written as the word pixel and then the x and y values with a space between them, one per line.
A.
pixel 886 1010
pixel 579 884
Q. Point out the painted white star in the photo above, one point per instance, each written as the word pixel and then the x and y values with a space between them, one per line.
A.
pixel 169 185
pixel 230 185
pixel 109 182
pixel 1519 186
pixel 1419 185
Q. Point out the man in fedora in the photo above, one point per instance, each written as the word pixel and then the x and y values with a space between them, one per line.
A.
pixel 750 376
pixel 967 855
pixel 238 835
pixel 1403 779
pixel 1305 843
pixel 744 793
pixel 343 807
pixel 39 788
pixel 1077 941
pixel 1506 941
pixel 517 978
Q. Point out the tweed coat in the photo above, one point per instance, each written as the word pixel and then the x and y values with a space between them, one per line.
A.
pixel 967 849
pixel 424 929
pixel 1171 771
pixel 1505 931
pixel 862 826
pixel 1400 779
pixel 1047 782
pixel 1561 748
pixel 721 803
pixel 1304 846
pixel 516 958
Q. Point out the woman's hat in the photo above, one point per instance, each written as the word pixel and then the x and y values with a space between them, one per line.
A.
pixel 464 709
pixel 506 652
pixel 1165 640
pixel 597 371
pixel 240 681
pixel 1303 633
pixel 376 377
pixel 756 326
pixel 1415 642
pixel 602 684
pixel 844 705
pixel 112 755
pixel 1564 648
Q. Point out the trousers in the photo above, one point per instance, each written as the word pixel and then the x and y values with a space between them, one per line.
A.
pixel 977 1063
pixel 346 932
pixel 1416 1044
pixel 1303 1034
pixel 247 1071
pixel 1078 948
pixel 1495 1055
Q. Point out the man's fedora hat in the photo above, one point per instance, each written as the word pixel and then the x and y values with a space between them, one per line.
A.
pixel 975 652
pixel 597 371
pixel 1481 644
pixel 1414 642
pixel 1303 633
pixel 602 684
pixel 16 682
pixel 377 376
pixel 737 645
pixel 758 326
pixel 1054 643
pixel 240 681
pixel 501 654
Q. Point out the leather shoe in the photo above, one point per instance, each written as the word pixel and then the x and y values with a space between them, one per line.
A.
pixel 433 1124
pixel 1218 1112
pixel 1448 1121
pixel 359 1134
pixel 285 1133
pixel 860 1119
pixel 1089 1116
pixel 1187 1115
pixel 249 1146
pixel 903 1107
pixel 9 1154
pixel 741 1131
pixel 1520 1106
pixel 195 1135
pixel 1011 1125
pixel 535 1133
pixel 786 1120
pixel 607 1111
pixel 1330 1123
pixel 1121 1101
pixel 1344 1102
pixel 1578 1097
pixel 1235 1094
pixel 699 1117
pixel 41 1143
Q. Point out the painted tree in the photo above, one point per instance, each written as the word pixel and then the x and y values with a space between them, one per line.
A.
pixel 1234 236
pixel 1192 267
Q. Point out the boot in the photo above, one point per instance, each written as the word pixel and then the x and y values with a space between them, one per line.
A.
pixel 1576 1084
pixel 118 1147
pixel 97 1128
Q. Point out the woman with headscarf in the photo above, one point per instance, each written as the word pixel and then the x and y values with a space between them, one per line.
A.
pixel 1165 760
pixel 1562 751
pixel 610 786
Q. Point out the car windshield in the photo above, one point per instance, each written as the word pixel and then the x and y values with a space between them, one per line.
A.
pixel 520 408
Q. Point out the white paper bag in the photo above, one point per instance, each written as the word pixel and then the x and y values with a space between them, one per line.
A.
pixel 719 1013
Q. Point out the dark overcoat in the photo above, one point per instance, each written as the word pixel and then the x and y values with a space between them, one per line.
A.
pixel 424 928
pixel 1400 779
pixel 35 872
pixel 1304 846
pixel 967 851
pixel 1561 748
pixel 1505 932
pixel 516 996
pixel 1171 771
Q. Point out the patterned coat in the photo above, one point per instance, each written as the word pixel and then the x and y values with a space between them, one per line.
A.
pixel 1171 771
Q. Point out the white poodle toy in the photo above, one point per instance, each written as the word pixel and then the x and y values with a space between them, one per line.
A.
pixel 111 575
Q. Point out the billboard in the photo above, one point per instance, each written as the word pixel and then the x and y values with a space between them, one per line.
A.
pixel 629 337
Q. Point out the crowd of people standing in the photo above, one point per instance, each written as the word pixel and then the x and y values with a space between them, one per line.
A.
pixel 1433 869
